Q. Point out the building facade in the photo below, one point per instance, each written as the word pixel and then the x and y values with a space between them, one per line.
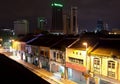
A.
pixel 57 17
pixel 97 62
pixel 99 25
pixel 21 27
pixel 74 20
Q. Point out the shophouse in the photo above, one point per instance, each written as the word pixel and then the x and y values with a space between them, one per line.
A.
pixel 19 46
pixel 78 59
pixel 57 56
pixel 105 61
pixel 41 49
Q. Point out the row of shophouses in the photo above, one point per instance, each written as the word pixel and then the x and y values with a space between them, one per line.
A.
pixel 97 61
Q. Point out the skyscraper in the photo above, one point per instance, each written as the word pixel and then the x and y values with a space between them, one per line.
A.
pixel 57 17
pixel 66 24
pixel 41 22
pixel 74 20
pixel 100 25
pixel 21 27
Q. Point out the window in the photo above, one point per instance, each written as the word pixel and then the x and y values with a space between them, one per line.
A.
pixel 96 61
pixel 111 74
pixel 74 60
pixel 111 68
pixel 96 65
pixel 42 52
pixel 80 53
pixel 54 55
pixel 58 56
pixel 80 61
pixel 61 56
pixel 76 53
pixel 73 52
pixel 111 64
pixel 46 53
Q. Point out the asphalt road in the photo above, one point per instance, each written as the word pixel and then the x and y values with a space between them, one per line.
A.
pixel 13 72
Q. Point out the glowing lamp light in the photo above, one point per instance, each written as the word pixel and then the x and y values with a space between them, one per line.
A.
pixel 85 43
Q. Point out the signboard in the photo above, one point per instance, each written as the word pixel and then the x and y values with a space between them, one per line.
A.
pixel 76 67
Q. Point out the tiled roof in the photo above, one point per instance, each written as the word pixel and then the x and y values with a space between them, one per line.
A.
pixel 46 41
pixel 107 47
pixel 79 44
pixel 26 38
pixel 63 43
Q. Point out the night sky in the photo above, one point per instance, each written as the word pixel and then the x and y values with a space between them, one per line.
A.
pixel 89 11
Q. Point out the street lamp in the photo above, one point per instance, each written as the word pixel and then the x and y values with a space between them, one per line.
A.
pixel 87 74
pixel 85 44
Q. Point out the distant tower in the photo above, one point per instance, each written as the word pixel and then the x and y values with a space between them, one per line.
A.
pixel 74 20
pixel 106 27
pixel 21 27
pixel 41 23
pixel 66 23
pixel 100 25
pixel 57 17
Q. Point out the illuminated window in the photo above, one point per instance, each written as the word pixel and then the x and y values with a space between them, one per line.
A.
pixel 96 61
pixel 111 64
pixel 58 56
pixel 77 61
pixel 80 61
pixel 96 65
pixel 79 53
pixel 73 52
pixel 76 53
pixel 111 68
pixel 111 73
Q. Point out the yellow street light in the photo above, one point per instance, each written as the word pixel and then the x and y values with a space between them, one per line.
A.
pixel 85 44
pixel 87 74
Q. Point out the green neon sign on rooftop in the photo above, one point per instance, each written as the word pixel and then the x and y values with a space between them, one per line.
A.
pixel 57 4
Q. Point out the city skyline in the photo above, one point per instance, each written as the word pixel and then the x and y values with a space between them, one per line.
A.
pixel 89 11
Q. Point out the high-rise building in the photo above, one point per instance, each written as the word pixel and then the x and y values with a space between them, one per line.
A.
pixel 106 27
pixel 100 25
pixel 57 17
pixel 74 20
pixel 21 27
pixel 41 23
pixel 66 24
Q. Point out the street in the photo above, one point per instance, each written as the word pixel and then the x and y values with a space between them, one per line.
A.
pixel 13 72
pixel 41 73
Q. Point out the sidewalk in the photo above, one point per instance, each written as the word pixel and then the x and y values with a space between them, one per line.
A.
pixel 48 76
